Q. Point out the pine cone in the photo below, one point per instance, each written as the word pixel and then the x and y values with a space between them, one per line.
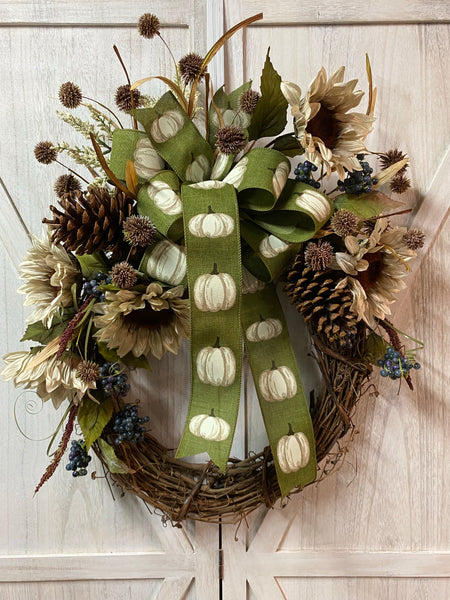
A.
pixel 326 308
pixel 91 221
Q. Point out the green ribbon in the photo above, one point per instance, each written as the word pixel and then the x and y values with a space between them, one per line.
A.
pixel 211 233
pixel 252 217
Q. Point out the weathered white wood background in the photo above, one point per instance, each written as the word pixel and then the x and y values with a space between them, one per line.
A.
pixel 379 528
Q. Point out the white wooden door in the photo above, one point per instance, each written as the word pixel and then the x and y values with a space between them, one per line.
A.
pixel 379 528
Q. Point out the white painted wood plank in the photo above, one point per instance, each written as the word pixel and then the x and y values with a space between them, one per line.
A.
pixel 174 588
pixel 265 587
pixel 343 11
pixel 207 561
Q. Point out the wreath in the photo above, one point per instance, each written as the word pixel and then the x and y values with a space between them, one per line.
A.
pixel 189 221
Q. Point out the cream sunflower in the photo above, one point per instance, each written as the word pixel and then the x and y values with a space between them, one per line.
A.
pixel 326 130
pixel 49 273
pixel 375 266
pixel 153 321
pixel 52 379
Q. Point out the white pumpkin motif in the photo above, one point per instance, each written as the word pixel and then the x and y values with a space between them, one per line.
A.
pixel 293 451
pixel 277 384
pixel 236 175
pixel 198 168
pixel 167 262
pixel 211 224
pixel 271 246
pixel 250 284
pixel 166 126
pixel 220 165
pixel 165 198
pixel 216 365
pixel 280 177
pixel 263 330
pixel 147 162
pixel 214 291
pixel 209 427
pixel 315 204
pixel 209 184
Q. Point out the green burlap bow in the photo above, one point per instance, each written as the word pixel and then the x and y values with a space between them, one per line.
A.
pixel 240 228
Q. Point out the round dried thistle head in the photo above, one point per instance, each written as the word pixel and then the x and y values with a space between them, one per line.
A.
pixel 123 97
pixel 88 371
pixel 190 67
pixel 148 26
pixel 319 256
pixel 70 95
pixel 248 101
pixel 414 239
pixel 344 222
pixel 45 153
pixel 66 184
pixel 230 139
pixel 399 184
pixel 391 157
pixel 139 231
pixel 123 275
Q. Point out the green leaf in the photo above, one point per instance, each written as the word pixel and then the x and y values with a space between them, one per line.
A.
pixel 288 144
pixel 269 116
pixel 375 347
pixel 366 205
pixel 129 359
pixel 93 417
pixel 226 101
pixel 92 264
pixel 38 332
pixel 114 464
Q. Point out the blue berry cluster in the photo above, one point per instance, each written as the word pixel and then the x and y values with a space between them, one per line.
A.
pixel 128 425
pixel 358 182
pixel 91 287
pixel 303 173
pixel 79 458
pixel 113 380
pixel 394 365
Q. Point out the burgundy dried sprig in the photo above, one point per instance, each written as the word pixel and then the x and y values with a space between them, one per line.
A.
pixel 70 329
pixel 60 450
pixel 394 338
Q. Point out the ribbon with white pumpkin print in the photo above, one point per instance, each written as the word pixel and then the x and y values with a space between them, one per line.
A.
pixel 212 238
pixel 279 387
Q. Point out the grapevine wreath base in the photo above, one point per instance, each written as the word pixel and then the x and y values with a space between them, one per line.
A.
pixel 182 490
pixel 190 220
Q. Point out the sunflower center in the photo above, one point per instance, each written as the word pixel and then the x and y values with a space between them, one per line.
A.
pixel 369 277
pixel 324 126
pixel 148 318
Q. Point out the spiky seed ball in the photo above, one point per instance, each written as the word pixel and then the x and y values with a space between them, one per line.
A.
pixel 139 231
pixel 318 256
pixel 70 95
pixel 344 222
pixel 400 184
pixel 391 157
pixel 248 101
pixel 191 66
pixel 123 275
pixel 414 239
pixel 45 153
pixel 88 371
pixel 148 26
pixel 123 97
pixel 230 139
pixel 66 184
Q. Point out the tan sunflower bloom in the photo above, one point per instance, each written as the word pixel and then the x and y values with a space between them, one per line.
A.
pixel 326 130
pixel 52 379
pixel 375 268
pixel 150 322
pixel 49 273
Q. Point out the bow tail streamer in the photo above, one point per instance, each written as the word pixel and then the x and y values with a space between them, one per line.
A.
pixel 279 387
pixel 212 238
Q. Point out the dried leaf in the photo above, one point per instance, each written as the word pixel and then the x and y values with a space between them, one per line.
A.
pixel 107 170
pixel 173 86
pixel 387 174
pixel 131 178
